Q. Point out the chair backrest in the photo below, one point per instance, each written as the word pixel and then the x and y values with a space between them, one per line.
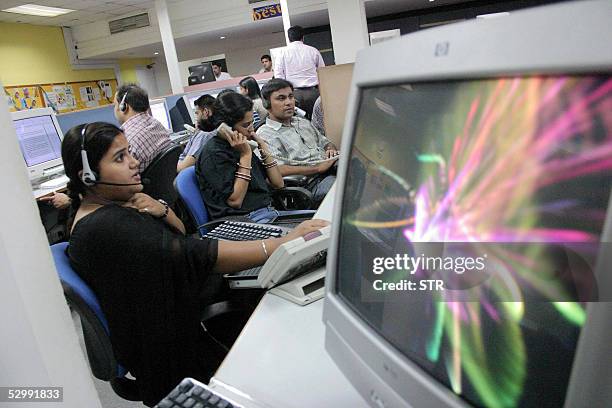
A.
pixel 186 185
pixel 161 173
pixel 95 327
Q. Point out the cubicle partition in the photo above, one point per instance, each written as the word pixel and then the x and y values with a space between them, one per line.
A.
pixel 101 114
pixel 106 114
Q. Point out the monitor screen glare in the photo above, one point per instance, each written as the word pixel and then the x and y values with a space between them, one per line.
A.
pixel 518 168
pixel 158 111
pixel 38 140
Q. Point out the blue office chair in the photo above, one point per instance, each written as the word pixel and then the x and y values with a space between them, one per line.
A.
pixel 81 298
pixel 186 185
pixel 226 317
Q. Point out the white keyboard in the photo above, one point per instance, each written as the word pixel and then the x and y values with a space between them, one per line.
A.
pixel 54 183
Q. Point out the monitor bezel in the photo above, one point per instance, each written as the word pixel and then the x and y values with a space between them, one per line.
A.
pixel 190 108
pixel 529 42
pixel 160 101
pixel 36 171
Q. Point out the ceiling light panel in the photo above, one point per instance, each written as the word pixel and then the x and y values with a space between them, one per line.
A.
pixel 37 10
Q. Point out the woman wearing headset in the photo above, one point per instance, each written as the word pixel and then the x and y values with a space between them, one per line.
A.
pixel 148 276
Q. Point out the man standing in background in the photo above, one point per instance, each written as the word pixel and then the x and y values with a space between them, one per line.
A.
pixel 298 64
pixel 266 62
pixel 219 74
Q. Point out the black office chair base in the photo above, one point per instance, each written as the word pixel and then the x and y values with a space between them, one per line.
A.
pixel 126 388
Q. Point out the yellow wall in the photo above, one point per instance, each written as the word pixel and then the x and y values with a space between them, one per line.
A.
pixel 128 68
pixel 32 54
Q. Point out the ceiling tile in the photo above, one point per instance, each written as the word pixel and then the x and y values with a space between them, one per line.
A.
pixel 104 16
pixel 138 3
pixel 80 4
pixel 101 7
pixel 119 11
pixel 50 3
pixel 10 3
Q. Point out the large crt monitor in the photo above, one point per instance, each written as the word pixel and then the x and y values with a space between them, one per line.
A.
pixel 40 140
pixel 471 263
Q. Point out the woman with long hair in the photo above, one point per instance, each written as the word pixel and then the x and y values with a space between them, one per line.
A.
pixel 148 276
pixel 250 88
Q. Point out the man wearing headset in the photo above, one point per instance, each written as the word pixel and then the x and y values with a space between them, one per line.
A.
pixel 296 145
pixel 145 134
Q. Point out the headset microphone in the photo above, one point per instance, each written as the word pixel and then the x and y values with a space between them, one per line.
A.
pixel 143 182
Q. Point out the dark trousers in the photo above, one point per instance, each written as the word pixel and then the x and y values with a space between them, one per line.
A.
pixel 306 98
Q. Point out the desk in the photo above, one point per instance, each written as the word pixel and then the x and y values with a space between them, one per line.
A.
pixel 279 359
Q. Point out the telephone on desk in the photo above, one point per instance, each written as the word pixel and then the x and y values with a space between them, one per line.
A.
pixel 293 271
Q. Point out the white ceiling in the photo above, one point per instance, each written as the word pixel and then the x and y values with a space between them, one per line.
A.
pixel 88 11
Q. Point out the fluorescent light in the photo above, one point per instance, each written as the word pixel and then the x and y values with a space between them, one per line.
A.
pixel 494 15
pixel 222 37
pixel 36 10
pixel 156 53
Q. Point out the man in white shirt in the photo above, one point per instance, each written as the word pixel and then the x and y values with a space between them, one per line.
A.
pixel 298 64
pixel 220 75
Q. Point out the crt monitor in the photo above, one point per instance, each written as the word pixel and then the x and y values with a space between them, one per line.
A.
pixel 40 140
pixel 181 114
pixel 469 264
pixel 159 111
pixel 202 73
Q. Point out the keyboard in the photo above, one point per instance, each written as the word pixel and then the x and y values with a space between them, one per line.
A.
pixel 245 231
pixel 56 182
pixel 191 393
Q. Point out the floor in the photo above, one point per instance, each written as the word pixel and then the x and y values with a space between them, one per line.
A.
pixel 107 396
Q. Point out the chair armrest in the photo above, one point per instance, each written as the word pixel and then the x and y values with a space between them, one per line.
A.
pixel 295 180
pixel 292 198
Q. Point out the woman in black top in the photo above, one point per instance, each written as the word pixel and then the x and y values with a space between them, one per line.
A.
pixel 147 275
pixel 232 179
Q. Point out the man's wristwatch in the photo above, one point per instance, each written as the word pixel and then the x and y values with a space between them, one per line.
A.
pixel 166 206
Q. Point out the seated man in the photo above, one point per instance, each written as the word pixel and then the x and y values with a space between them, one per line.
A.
pixel 145 134
pixel 296 141
pixel 203 110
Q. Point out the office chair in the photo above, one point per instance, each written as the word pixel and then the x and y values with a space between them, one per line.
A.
pixel 161 173
pixel 99 349
pixel 186 185
pixel 188 190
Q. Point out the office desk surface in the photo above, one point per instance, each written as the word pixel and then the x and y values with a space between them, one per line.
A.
pixel 279 360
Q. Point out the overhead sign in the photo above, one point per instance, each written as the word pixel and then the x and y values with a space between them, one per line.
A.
pixel 264 12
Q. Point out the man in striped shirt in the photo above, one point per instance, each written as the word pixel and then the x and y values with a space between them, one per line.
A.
pixel 145 134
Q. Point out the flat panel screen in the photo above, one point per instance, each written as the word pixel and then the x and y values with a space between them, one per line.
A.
pixel 38 139
pixel 519 168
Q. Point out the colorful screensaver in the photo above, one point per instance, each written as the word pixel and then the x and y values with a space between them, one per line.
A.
pixel 518 168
